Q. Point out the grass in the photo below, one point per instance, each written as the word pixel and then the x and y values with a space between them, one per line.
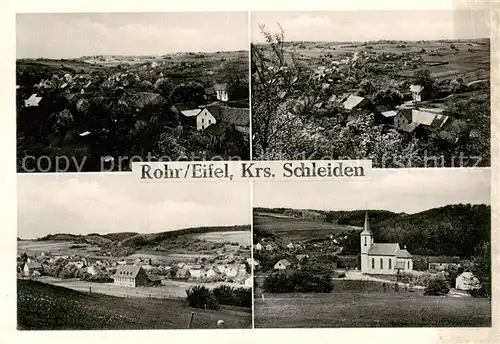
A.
pixel 46 307
pixel 365 304
pixel 291 229
pixel 241 237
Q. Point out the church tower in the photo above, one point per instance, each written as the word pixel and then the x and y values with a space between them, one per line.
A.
pixel 366 243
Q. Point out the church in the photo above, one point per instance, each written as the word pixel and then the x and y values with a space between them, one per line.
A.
pixel 382 258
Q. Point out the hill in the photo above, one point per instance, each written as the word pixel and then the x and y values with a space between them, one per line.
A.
pixel 453 230
pixel 46 307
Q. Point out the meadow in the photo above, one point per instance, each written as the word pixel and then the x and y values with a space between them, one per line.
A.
pixel 47 307
pixel 241 237
pixel 366 304
pixel 293 229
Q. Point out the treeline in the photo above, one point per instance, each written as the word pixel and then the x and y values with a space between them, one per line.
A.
pixel 148 240
pixel 453 230
pixel 203 297
pixel 297 281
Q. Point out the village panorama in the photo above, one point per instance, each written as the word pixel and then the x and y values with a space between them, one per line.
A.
pixel 133 260
pixel 401 103
pixel 102 110
pixel 369 266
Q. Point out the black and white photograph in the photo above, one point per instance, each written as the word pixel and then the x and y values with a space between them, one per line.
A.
pixel 105 252
pixel 401 88
pixel 409 248
pixel 97 90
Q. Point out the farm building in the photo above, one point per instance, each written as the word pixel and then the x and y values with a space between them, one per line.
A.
pixel 32 101
pixel 190 113
pixel 195 273
pixel 238 117
pixel 131 276
pixel 466 281
pixel 414 118
pixel 382 258
pixel 183 273
pixel 221 92
pixel 30 268
pixel 354 102
pixel 282 264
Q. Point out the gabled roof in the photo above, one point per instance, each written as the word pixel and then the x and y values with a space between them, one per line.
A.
pixel 34 265
pixel 185 106
pixel 404 254
pixel 191 113
pixel 353 101
pixel 389 114
pixel 416 88
pixel 233 115
pixel 220 87
pixel 384 249
pixel 142 99
pixel 406 113
pixel 284 262
pixel 130 271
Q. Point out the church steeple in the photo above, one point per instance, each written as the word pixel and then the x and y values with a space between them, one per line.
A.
pixel 366 226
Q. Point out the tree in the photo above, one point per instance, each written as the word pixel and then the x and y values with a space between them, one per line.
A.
pixel 236 79
pixel 437 286
pixel 482 269
pixel 423 77
pixel 389 97
pixel 284 93
pixel 366 88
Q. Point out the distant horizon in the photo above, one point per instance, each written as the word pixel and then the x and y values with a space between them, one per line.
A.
pixel 372 209
pixel 104 234
pixel 66 35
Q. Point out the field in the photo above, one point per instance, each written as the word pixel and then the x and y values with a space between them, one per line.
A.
pixel 170 289
pixel 292 229
pixel 46 307
pixel 241 237
pixel 367 305
pixel 370 310
pixel 33 247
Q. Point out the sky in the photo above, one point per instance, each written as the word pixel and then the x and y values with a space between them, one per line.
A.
pixel 343 26
pixel 71 35
pixel 106 203
pixel 397 190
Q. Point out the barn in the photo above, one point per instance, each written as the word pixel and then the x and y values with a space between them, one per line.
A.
pixel 130 276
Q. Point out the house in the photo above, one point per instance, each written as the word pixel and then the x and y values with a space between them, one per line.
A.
pixel 231 272
pixel 183 273
pixel 142 99
pixel 282 264
pixel 237 117
pixel 31 267
pixel 32 101
pixel 269 247
pixel 93 270
pixel 249 282
pixel 195 273
pixel 417 93
pixel 408 120
pixel 252 261
pixel 384 115
pixel 301 257
pixel 221 92
pixel 204 119
pixel 131 276
pixel 290 246
pixel 258 247
pixel 355 102
pixel 220 269
pixel 210 273
pixel 466 281
pixel 382 258
pixel 441 266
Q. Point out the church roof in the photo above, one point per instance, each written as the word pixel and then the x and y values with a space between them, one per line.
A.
pixel 384 249
pixel 404 254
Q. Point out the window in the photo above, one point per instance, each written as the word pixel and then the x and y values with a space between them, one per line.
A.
pixel 381 263
pixel 365 240
pixel 373 263
pixel 390 264
pixel 408 264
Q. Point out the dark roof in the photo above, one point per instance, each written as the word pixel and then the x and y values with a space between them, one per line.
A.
pixel 284 262
pixel 404 254
pixel 34 265
pixel 409 128
pixel 220 87
pixel 130 271
pixel 209 91
pixel 233 115
pixel 382 108
pixel 142 99
pixel 384 249
pixel 153 277
pixel 185 106
pixel 406 113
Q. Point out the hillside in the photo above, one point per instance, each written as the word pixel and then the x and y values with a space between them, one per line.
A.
pixel 453 230
pixel 46 307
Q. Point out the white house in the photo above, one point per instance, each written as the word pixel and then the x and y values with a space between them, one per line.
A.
pixel 32 101
pixel 269 247
pixel 195 273
pixel 416 92
pixel 466 281
pixel 252 261
pixel 210 273
pixel 258 247
pixel 290 246
pixel 93 270
pixel 204 119
pixel 30 268
pixel 221 92
pixel 248 282
pixel 231 272
pixel 282 264
pixel 221 269
pixel 382 258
